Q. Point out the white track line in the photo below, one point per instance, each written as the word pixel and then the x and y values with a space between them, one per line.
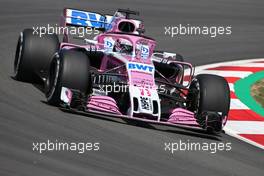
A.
pixel 231 63
pixel 231 87
pixel 246 127
pixel 238 74
pixel 237 104
pixel 251 65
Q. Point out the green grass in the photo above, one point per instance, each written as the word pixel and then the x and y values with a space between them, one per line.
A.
pixel 257 92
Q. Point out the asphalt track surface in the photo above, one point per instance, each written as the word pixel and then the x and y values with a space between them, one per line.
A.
pixel 124 149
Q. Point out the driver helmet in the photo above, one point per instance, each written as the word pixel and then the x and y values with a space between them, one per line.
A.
pixel 123 46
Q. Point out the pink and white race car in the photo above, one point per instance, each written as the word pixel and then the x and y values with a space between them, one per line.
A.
pixel 118 73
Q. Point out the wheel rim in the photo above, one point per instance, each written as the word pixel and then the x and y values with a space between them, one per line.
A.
pixel 18 54
pixel 52 79
pixel 194 101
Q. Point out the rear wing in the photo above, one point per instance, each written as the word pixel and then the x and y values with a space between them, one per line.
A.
pixel 80 18
pixel 99 22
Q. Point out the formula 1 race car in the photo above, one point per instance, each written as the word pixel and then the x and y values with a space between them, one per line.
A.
pixel 119 73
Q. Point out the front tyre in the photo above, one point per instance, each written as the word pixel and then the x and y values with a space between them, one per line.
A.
pixel 209 98
pixel 71 69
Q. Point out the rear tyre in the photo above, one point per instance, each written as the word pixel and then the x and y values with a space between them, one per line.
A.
pixel 70 69
pixel 209 98
pixel 33 55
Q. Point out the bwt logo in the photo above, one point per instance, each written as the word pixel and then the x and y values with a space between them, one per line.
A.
pixel 87 19
pixel 140 67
